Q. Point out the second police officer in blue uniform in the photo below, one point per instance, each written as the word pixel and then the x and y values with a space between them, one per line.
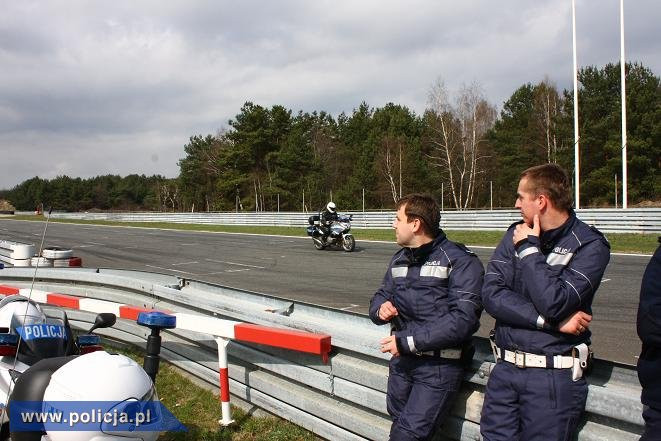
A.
pixel 431 296
pixel 539 286
pixel 649 362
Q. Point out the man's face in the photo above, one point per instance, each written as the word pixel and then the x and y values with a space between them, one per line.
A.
pixel 403 229
pixel 526 202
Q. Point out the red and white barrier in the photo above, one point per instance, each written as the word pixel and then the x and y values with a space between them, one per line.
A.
pixel 223 331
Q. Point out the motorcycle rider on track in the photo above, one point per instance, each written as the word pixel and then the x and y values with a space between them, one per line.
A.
pixel 327 217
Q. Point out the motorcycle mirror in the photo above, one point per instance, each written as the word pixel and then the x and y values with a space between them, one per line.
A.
pixel 103 320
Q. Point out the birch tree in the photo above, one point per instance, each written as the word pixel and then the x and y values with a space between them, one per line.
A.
pixel 390 162
pixel 457 136
pixel 546 111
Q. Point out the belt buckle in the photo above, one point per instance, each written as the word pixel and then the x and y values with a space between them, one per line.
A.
pixel 519 359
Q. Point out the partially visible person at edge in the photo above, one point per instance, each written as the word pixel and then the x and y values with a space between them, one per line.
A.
pixel 539 286
pixel 431 297
pixel 649 362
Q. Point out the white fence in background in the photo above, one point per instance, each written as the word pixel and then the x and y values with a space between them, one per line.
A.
pixel 608 220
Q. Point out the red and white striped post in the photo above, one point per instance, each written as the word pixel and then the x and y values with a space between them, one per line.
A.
pixel 223 331
pixel 225 410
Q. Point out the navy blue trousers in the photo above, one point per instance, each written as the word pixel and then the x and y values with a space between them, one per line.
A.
pixel 531 404
pixel 421 391
pixel 652 419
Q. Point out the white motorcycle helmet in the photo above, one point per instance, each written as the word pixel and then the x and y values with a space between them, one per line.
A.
pixel 331 207
pixel 100 376
pixel 16 311
pixel 18 315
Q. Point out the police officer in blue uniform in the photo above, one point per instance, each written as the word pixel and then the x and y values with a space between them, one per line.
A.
pixel 649 362
pixel 539 287
pixel 431 297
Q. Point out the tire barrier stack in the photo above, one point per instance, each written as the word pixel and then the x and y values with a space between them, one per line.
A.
pixel 61 257
pixel 16 253
pixel 19 254
pixel 343 399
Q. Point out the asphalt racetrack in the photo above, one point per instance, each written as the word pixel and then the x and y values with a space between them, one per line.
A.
pixel 291 268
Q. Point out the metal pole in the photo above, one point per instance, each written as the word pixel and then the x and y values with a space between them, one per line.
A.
pixel 225 410
pixel 624 109
pixel 615 190
pixel 278 202
pixel 491 195
pixel 364 219
pixel 363 202
pixel 442 196
pixel 400 169
pixel 577 192
pixel 303 200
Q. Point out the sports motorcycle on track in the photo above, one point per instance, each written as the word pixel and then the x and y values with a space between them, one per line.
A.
pixel 337 233
pixel 41 362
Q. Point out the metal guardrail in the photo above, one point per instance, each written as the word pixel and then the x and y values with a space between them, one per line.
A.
pixel 631 220
pixel 341 400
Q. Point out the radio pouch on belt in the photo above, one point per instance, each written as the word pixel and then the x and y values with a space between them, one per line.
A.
pixel 494 348
pixel 581 354
pixel 467 353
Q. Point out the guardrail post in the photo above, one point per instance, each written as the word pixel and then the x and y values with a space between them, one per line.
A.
pixel 225 410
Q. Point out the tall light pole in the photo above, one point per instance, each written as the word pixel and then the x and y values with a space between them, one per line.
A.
pixel 577 192
pixel 624 109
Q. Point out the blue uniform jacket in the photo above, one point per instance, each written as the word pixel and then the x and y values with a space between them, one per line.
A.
pixel 544 280
pixel 649 331
pixel 436 290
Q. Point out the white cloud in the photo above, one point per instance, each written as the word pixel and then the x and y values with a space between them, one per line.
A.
pixel 91 88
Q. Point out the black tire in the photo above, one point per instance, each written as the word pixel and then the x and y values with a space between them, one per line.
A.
pixel 348 243
pixel 318 244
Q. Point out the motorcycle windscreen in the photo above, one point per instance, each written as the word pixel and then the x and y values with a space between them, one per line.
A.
pixel 42 340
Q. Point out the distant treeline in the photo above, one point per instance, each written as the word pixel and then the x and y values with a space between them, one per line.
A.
pixel 109 192
pixel 460 150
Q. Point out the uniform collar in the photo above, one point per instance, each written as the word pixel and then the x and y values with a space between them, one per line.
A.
pixel 415 256
pixel 550 237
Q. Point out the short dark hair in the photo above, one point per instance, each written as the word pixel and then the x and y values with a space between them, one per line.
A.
pixel 424 208
pixel 552 181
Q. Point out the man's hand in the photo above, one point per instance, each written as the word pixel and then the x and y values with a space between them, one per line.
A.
pixel 522 231
pixel 389 344
pixel 576 324
pixel 387 311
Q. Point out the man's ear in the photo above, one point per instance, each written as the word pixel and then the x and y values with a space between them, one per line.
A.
pixel 416 225
pixel 543 203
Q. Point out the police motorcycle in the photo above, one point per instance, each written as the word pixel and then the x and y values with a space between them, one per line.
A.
pixel 338 233
pixel 41 362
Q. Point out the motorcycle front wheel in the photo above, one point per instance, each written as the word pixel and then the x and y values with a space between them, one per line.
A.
pixel 348 243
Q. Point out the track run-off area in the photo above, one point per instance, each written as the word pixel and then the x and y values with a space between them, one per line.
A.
pixel 290 267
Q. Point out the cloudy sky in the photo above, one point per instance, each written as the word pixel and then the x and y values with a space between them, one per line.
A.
pixel 97 87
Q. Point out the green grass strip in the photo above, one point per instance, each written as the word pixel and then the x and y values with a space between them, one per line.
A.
pixel 620 242
pixel 198 409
